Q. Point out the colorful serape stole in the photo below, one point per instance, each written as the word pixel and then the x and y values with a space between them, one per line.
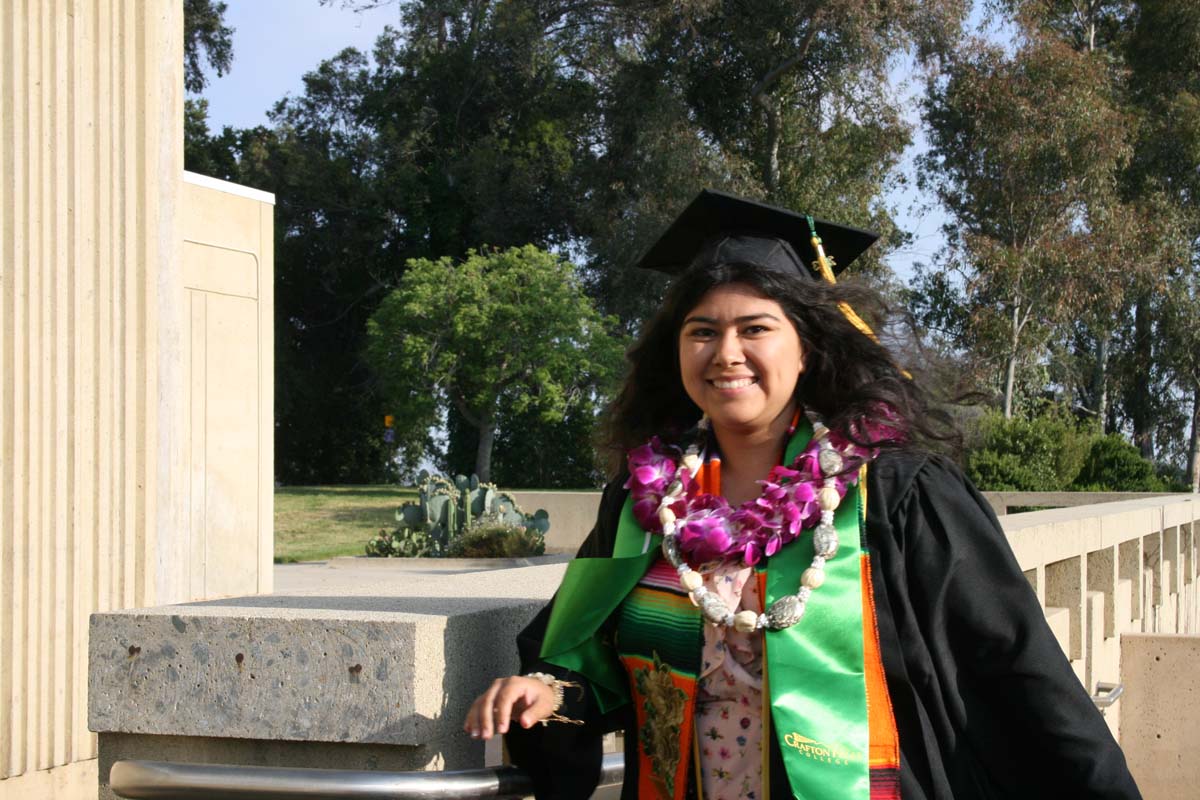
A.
pixel 659 641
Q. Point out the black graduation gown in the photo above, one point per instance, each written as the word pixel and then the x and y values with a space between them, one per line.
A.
pixel 986 704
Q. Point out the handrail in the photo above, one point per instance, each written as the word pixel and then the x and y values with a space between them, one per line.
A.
pixel 164 780
pixel 1107 694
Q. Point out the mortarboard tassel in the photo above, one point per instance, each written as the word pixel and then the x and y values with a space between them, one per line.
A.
pixel 823 266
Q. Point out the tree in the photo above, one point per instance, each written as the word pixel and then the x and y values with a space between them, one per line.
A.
pixel 206 38
pixel 1181 332
pixel 500 330
pixel 577 126
pixel 782 100
pixel 1165 76
pixel 1087 26
pixel 1019 145
pixel 335 254
pixel 444 142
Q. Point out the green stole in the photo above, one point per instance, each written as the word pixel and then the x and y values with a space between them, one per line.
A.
pixel 814 669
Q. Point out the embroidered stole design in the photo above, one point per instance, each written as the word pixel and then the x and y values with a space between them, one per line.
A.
pixel 659 641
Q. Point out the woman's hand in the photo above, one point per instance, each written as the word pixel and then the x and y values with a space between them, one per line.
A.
pixel 525 700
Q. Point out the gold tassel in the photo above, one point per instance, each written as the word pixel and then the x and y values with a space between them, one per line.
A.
pixel 823 265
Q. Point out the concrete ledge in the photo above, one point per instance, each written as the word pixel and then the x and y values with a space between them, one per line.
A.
pixel 362 657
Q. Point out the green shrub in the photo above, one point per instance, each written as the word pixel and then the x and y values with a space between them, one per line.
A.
pixel 1114 465
pixel 492 537
pixel 1043 454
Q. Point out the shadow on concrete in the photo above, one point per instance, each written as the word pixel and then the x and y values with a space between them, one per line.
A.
pixel 433 606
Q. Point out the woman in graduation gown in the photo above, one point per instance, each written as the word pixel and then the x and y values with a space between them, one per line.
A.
pixel 784 596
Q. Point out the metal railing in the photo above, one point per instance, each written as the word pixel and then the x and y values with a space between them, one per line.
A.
pixel 162 780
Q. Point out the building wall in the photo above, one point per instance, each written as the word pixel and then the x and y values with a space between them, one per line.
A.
pixel 228 365
pixel 98 465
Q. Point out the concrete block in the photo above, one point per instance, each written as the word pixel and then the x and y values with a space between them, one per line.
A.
pixel 1094 638
pixel 1160 718
pixel 572 515
pixel 1102 577
pixel 1064 589
pixel 1129 568
pixel 1059 620
pixel 1123 607
pixel 350 662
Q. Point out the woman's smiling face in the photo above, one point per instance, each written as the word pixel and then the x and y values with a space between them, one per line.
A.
pixel 740 358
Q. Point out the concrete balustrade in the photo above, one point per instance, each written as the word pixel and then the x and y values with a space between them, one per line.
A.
pixel 1105 570
pixel 572 513
pixel 373 666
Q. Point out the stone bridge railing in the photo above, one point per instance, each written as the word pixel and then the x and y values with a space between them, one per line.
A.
pixel 1105 570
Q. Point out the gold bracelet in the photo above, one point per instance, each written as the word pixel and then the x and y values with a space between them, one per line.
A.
pixel 556 686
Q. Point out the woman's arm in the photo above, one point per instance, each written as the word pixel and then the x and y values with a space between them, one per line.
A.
pixel 562 758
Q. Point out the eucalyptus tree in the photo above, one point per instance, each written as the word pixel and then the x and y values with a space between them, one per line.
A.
pixel 1019 144
pixel 1165 80
pixel 784 100
pixel 1121 224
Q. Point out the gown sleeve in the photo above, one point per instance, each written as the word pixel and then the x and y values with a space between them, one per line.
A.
pixel 562 758
pixel 1009 716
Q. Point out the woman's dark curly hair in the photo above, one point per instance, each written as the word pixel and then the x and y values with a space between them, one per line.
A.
pixel 848 377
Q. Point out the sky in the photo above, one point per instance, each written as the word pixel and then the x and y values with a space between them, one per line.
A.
pixel 275 42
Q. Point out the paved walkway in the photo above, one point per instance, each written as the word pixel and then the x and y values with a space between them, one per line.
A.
pixel 423 577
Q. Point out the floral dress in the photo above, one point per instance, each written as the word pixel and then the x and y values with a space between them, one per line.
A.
pixel 729 724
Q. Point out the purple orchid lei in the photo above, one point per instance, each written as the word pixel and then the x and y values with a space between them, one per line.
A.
pixel 709 530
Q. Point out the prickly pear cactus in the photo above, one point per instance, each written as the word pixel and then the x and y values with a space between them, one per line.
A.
pixel 401 543
pixel 540 522
pixel 445 509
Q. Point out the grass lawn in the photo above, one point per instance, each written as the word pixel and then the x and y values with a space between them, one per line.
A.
pixel 313 523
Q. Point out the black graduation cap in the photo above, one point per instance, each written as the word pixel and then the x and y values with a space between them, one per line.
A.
pixel 722 227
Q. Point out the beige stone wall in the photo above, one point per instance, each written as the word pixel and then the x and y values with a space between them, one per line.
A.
pixel 228 365
pixel 106 501
pixel 90 159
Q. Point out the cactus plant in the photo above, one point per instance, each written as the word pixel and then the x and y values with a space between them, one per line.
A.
pixel 401 543
pixel 445 508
